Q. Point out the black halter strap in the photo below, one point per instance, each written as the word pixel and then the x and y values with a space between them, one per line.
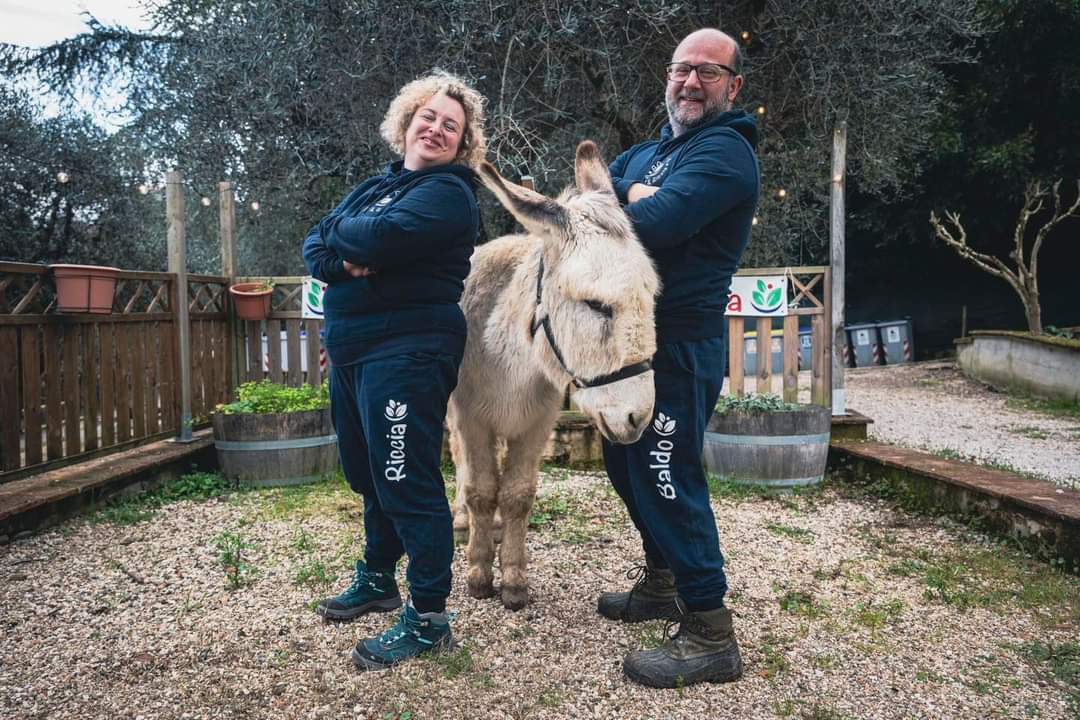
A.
pixel 545 322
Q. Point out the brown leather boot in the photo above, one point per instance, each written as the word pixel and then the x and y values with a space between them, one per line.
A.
pixel 651 598
pixel 703 650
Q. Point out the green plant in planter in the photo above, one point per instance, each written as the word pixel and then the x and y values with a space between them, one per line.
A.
pixel 752 403
pixel 265 396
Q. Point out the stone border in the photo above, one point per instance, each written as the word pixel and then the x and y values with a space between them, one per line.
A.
pixel 1044 366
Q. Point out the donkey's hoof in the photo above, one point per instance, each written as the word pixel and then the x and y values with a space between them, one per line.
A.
pixel 514 598
pixel 480 590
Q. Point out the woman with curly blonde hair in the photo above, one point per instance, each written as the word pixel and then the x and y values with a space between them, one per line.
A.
pixel 394 255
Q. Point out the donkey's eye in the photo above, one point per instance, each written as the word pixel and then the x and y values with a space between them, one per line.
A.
pixel 600 307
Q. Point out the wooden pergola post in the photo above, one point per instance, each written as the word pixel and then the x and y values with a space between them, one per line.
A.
pixel 227 209
pixel 174 210
pixel 836 250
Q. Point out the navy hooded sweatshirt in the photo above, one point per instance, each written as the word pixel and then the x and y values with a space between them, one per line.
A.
pixel 698 223
pixel 416 230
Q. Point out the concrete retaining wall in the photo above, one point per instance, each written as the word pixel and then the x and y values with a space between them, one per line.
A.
pixel 1045 367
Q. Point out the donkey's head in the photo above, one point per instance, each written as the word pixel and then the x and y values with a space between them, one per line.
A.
pixel 593 321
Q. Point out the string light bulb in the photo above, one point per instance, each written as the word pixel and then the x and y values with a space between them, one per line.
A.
pixel 761 110
pixel 62 177
pixel 781 193
pixel 754 221
pixel 745 35
pixel 255 205
pixel 205 201
pixel 144 188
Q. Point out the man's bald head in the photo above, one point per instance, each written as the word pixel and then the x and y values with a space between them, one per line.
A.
pixel 691 102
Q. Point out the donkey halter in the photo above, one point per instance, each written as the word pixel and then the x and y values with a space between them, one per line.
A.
pixel 544 322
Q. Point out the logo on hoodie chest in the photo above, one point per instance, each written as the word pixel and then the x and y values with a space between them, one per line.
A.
pixel 381 204
pixel 657 171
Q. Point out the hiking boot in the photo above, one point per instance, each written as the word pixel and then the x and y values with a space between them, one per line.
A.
pixel 704 650
pixel 651 598
pixel 370 591
pixel 413 634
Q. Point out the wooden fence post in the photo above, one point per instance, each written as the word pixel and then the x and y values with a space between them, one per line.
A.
pixel 835 294
pixel 174 209
pixel 233 349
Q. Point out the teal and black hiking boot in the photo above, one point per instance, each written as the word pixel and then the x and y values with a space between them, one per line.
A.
pixel 414 633
pixel 370 592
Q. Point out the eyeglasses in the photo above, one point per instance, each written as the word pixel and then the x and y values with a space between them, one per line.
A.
pixel 706 72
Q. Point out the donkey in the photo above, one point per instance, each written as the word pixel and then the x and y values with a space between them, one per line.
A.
pixel 569 303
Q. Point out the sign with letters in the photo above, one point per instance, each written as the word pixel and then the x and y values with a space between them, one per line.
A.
pixel 753 296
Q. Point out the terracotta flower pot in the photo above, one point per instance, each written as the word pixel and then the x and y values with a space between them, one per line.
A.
pixel 252 300
pixel 84 288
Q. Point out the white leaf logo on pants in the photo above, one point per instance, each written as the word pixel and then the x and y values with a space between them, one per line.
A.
pixel 663 425
pixel 395 411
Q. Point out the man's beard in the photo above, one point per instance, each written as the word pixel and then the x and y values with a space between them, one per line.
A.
pixel 681 120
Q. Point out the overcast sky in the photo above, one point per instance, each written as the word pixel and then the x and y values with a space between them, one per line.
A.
pixel 41 22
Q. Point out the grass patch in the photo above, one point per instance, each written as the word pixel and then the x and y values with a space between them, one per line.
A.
pixel 454 664
pixel 130 510
pixel 877 615
pixel 1029 431
pixel 775 662
pixel 314 575
pixel 1051 408
pixel 1062 662
pixel 802 603
pixel 548 508
pixel 724 488
pixel 798 534
pixel 232 554
pixel 331 495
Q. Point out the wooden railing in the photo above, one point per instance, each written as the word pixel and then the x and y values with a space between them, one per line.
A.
pixel 809 291
pixel 72 385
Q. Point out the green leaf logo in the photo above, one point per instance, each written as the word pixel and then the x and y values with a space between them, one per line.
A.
pixel 774 298
pixel 761 286
pixel 314 298
pixel 759 299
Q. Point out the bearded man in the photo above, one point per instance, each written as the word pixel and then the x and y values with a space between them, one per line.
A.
pixel 691 195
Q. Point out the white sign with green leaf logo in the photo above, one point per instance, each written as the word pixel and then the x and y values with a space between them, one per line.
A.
pixel 313 298
pixel 758 296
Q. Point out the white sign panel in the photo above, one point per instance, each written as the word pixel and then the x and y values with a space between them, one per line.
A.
pixel 313 298
pixel 758 296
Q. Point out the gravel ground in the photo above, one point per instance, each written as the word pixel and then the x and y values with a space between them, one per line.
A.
pixel 932 406
pixel 846 608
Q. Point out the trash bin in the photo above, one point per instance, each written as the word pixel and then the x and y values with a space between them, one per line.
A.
pixel 865 345
pixel 750 352
pixel 806 348
pixel 896 341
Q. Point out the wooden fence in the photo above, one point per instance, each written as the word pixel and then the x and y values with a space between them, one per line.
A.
pixel 809 292
pixel 73 386
pixel 285 347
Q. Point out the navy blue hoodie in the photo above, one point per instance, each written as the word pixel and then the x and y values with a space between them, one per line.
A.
pixel 416 230
pixel 698 224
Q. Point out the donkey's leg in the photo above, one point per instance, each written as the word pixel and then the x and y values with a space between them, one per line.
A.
pixel 461 471
pixel 481 493
pixel 515 503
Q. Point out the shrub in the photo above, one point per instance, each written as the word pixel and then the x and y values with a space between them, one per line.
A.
pixel 269 397
pixel 753 404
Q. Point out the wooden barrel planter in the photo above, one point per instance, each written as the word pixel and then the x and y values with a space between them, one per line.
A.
pixel 275 449
pixel 778 449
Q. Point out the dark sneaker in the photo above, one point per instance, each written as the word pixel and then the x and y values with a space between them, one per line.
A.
pixel 415 633
pixel 370 592
pixel 651 598
pixel 704 650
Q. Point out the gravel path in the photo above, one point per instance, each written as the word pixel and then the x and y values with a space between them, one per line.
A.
pixel 846 608
pixel 932 406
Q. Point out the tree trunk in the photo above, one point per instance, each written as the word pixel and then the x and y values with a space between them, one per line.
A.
pixel 1034 314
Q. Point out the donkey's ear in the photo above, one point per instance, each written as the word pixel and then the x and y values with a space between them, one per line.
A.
pixel 538 213
pixel 590 172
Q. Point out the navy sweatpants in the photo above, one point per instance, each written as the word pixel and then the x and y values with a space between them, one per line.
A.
pixel 389 415
pixel 661 480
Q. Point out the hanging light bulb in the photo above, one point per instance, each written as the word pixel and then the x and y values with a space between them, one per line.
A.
pixel 754 221
pixel 205 201
pixel 745 35
pixel 62 177
pixel 255 205
pixel 781 193
pixel 143 188
pixel 760 109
